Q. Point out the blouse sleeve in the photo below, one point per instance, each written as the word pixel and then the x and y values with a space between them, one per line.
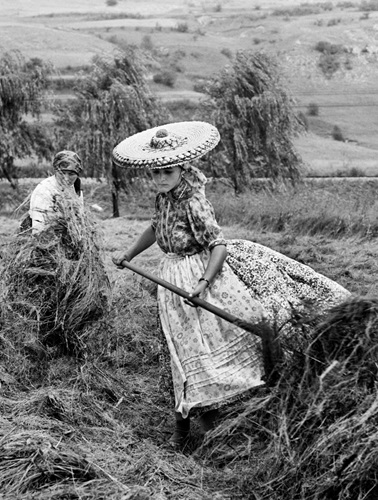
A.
pixel 203 224
pixel 41 204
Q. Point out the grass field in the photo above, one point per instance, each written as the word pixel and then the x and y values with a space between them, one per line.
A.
pixel 96 427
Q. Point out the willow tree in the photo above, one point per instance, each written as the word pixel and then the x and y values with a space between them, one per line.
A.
pixel 22 87
pixel 112 102
pixel 256 120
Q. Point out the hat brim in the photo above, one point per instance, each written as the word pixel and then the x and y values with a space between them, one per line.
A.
pixel 186 141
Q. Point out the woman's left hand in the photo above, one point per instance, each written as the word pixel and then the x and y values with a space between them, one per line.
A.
pixel 198 290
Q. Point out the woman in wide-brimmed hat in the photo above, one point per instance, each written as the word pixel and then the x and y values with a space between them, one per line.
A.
pixel 212 361
pixel 64 183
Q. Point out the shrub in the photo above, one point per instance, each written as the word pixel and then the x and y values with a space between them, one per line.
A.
pixel 146 43
pixel 227 52
pixel 329 64
pixel 337 134
pixel 301 10
pixel 313 109
pixel 329 48
pixel 345 5
pixel 333 22
pixel 200 86
pixel 182 27
pixel 369 5
pixel 111 3
pixel 302 118
pixel 165 77
pixel 356 172
pixel 348 64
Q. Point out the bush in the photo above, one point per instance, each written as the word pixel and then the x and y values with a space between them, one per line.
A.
pixel 200 86
pixel 329 48
pixel 329 64
pixel 369 5
pixel 356 172
pixel 346 5
pixel 165 77
pixel 182 27
pixel 302 118
pixel 313 109
pixel 333 22
pixel 227 52
pixel 337 134
pixel 111 3
pixel 348 64
pixel 146 43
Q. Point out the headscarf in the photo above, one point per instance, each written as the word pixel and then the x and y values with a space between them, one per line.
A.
pixel 67 160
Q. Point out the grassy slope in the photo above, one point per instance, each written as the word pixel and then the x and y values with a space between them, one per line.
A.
pixel 347 100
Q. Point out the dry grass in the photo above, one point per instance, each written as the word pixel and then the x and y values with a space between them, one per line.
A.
pixel 95 426
pixel 318 426
pixel 54 287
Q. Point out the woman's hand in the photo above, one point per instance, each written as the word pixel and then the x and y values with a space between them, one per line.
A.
pixel 199 289
pixel 119 257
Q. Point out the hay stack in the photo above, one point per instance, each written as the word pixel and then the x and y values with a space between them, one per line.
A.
pixel 54 285
pixel 314 435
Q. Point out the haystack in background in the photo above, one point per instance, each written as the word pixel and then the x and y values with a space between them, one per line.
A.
pixel 54 286
pixel 314 436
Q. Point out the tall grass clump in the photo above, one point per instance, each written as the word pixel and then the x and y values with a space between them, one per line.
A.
pixel 314 436
pixel 336 209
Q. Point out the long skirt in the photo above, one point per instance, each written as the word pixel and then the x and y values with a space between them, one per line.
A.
pixel 212 360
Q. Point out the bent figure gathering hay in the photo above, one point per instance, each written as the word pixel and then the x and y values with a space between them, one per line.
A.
pixel 54 283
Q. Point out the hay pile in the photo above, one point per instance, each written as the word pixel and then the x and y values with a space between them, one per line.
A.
pixel 53 286
pixel 313 436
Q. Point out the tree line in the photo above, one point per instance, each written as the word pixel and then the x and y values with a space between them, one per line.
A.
pixel 246 101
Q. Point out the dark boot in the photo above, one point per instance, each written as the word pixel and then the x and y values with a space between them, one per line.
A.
pixel 180 437
pixel 208 420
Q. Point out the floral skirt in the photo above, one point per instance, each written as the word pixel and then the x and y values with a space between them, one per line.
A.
pixel 282 285
pixel 212 361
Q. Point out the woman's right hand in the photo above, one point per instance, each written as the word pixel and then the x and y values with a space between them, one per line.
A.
pixel 119 257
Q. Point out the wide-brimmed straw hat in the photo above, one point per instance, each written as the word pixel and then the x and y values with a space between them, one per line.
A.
pixel 167 145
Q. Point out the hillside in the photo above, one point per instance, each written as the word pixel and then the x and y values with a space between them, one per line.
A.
pixel 194 41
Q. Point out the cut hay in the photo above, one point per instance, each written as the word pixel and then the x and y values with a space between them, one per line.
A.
pixel 34 464
pixel 314 435
pixel 54 286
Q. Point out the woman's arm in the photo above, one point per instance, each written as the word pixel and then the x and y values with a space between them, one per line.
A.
pixel 145 240
pixel 218 255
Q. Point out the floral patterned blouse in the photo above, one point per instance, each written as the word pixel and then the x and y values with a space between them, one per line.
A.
pixel 184 221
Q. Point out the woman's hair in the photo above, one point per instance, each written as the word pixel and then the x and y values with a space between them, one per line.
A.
pixel 193 176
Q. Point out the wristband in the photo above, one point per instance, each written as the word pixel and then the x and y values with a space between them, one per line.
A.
pixel 204 279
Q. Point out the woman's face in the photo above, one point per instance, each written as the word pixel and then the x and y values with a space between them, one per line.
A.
pixel 166 179
pixel 67 176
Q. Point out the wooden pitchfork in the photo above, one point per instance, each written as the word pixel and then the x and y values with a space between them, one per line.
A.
pixel 271 349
